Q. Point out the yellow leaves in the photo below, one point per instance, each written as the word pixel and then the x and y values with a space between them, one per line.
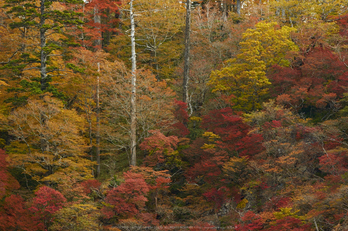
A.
pixel 77 217
pixel 2 83
pixel 50 137
pixel 250 186
pixel 235 165
pixel 268 44
pixel 295 11
pixel 211 136
pixel 245 76
pixel 35 169
pixel 286 212
pixel 195 118
pixel 83 207
pixel 79 171
pixel 208 146
pixel 242 204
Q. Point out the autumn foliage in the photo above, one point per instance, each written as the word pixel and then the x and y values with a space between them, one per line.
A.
pixel 260 143
pixel 127 199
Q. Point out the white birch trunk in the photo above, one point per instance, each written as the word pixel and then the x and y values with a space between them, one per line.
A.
pixel 187 52
pixel 98 126
pixel 98 44
pixel 133 125
pixel 97 20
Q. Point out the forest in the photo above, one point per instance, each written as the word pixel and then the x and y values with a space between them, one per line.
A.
pixel 125 115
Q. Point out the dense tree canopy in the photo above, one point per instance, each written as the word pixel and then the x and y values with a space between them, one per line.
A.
pixel 259 142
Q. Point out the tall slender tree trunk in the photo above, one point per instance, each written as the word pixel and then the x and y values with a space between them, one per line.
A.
pixel 224 10
pixel 187 52
pixel 133 125
pixel 43 69
pixel 98 46
pixel 98 126
pixel 43 55
pixel 238 7
pixel 97 21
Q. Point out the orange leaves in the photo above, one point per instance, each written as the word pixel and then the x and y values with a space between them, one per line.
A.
pixel 7 182
pixel 236 169
pixel 159 147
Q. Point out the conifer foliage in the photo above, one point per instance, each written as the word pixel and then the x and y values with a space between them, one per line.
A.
pixel 41 19
pixel 260 143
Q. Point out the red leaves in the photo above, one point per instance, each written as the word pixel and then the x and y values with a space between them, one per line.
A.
pixel 158 145
pixel 289 223
pixel 217 196
pixel 161 183
pixel 182 117
pixel 108 11
pixel 89 185
pixel 233 131
pixel 334 161
pixel 128 199
pixel 206 169
pixel 277 202
pixel 319 81
pixel 342 21
pixel 251 222
pixel 15 216
pixel 46 203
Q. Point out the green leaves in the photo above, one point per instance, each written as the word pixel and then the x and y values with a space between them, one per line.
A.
pixel 42 24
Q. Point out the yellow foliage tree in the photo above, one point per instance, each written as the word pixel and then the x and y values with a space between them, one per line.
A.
pixel 296 11
pixel 51 136
pixel 245 75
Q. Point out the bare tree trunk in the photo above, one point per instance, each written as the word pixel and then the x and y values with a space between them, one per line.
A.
pixel 133 125
pixel 98 127
pixel 43 54
pixel 224 10
pixel 97 21
pixel 187 52
pixel 98 44
pixel 238 7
